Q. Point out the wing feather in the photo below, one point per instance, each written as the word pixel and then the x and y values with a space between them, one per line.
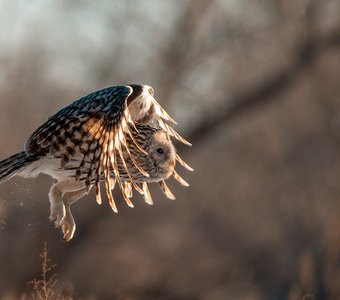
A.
pixel 105 159
pixel 160 111
pixel 180 179
pixel 109 101
pixel 147 195
pixel 97 127
pixel 166 190
pixel 122 140
pixel 116 172
pixel 183 163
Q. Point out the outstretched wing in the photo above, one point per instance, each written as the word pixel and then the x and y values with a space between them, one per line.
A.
pixel 109 101
pixel 95 127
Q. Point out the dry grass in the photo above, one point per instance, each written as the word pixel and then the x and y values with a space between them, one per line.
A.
pixel 45 288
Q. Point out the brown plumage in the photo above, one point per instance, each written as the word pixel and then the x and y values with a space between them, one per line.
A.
pixel 118 135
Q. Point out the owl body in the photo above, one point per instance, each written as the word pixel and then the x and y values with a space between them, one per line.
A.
pixel 119 135
pixel 159 165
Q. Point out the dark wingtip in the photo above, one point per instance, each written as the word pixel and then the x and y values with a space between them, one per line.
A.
pixel 137 91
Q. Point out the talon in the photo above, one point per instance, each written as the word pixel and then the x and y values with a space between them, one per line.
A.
pixel 57 225
pixel 57 214
pixel 68 226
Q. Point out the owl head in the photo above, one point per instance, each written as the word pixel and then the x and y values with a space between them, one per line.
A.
pixel 161 157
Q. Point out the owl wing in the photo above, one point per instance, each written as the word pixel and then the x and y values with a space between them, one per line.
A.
pixel 96 127
pixel 108 101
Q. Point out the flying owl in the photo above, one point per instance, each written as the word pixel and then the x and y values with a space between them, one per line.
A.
pixel 119 135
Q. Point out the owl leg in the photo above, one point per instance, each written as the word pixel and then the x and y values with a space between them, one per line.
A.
pixel 57 206
pixel 67 222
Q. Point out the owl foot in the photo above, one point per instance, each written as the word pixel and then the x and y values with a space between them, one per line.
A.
pixel 57 212
pixel 67 225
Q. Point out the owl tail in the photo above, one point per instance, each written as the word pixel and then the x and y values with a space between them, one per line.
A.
pixel 9 167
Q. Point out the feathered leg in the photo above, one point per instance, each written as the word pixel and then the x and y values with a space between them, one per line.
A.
pixel 57 207
pixel 67 223
pixel 62 194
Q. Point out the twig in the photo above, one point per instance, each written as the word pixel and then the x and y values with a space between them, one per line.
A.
pixel 43 288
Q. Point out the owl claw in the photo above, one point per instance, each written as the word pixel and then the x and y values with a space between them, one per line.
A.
pixel 57 213
pixel 68 226
pixel 63 219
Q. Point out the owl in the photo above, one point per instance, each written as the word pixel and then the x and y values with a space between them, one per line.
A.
pixel 119 135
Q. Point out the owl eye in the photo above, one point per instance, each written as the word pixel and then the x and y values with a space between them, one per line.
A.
pixel 160 150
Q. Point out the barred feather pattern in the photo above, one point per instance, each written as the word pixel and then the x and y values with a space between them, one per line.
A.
pixel 98 126
pixel 124 167
pixel 110 135
pixel 10 166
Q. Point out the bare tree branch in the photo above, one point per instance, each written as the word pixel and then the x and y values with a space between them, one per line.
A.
pixel 266 92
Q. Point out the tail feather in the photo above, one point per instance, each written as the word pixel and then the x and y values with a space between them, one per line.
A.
pixel 9 167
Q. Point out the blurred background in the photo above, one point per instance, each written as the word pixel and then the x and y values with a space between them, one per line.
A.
pixel 253 84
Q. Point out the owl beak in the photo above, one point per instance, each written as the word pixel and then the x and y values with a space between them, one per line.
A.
pixel 172 165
